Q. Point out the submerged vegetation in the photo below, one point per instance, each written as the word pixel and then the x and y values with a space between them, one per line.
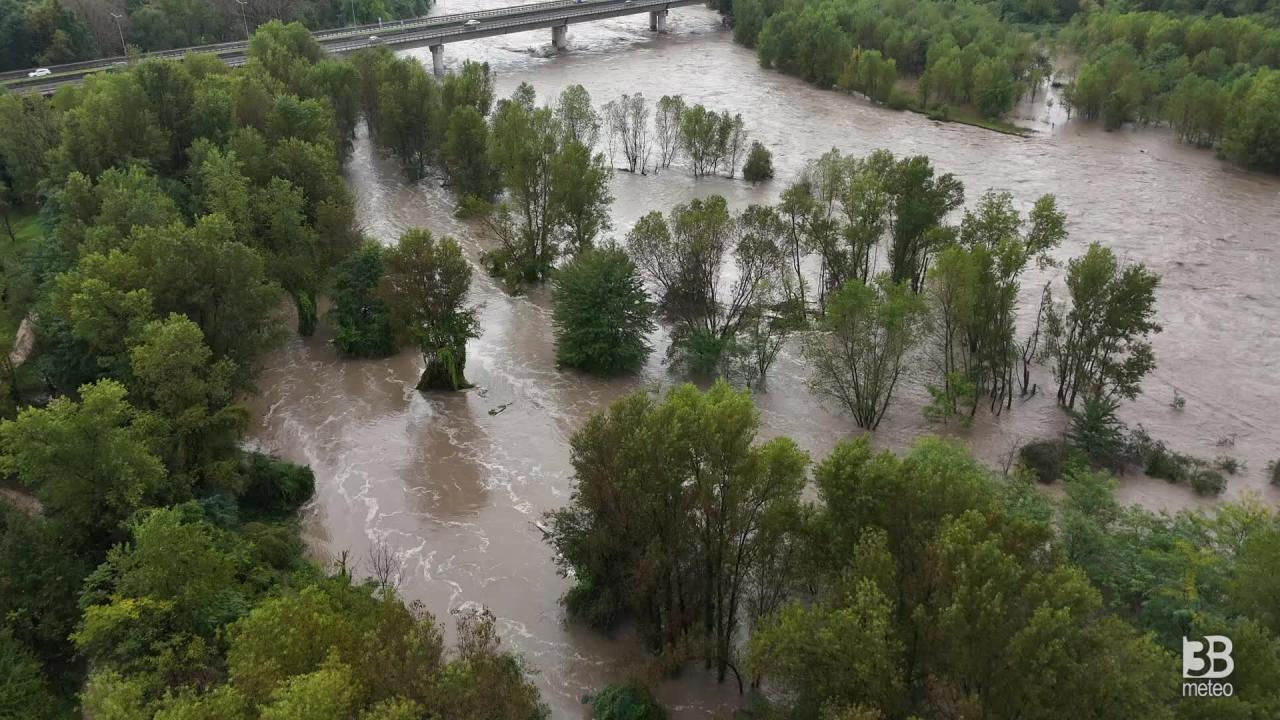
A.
pixel 891 593
pixel 172 223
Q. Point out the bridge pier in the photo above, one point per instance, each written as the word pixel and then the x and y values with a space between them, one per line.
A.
pixel 437 60
pixel 560 36
pixel 658 21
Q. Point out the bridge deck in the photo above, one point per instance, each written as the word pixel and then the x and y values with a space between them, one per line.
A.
pixel 430 30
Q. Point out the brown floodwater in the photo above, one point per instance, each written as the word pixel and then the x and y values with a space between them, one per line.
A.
pixel 453 483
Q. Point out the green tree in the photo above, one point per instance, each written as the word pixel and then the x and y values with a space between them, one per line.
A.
pixel 580 194
pixel 24 690
pixel 759 165
pixel 362 323
pixel 424 285
pixel 90 462
pixel 1251 138
pixel 523 148
pixel 921 201
pixel 466 154
pixel 858 360
pixel 602 313
pixel 1099 343
pixel 666 515
pixel 578 119
pixel 174 374
pixel 410 120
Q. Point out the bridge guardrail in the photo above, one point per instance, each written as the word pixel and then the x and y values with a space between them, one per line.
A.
pixel 329 34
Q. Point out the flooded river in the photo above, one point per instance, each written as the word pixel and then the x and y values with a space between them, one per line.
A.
pixel 453 483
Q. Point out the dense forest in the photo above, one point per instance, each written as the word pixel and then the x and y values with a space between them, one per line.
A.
pixel 913 586
pixel 160 221
pixel 51 32
pixel 1207 70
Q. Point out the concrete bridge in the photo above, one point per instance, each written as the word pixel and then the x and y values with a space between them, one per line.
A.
pixel 432 31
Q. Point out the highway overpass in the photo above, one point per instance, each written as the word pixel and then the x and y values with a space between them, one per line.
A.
pixel 431 31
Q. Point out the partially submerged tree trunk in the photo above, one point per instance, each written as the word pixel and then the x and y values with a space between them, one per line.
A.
pixel 444 370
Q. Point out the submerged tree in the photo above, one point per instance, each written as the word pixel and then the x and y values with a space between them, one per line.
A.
pixel 921 201
pixel 859 358
pixel 602 313
pixel 627 122
pixel 759 165
pixel 362 324
pixel 666 126
pixel 665 522
pixel 685 256
pixel 578 119
pixel 424 285
pixel 558 187
pixel 1100 343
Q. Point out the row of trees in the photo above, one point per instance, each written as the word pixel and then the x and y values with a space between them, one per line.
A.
pixel 48 32
pixel 914 586
pixel 945 311
pixel 1215 81
pixel 709 142
pixel 152 569
pixel 959 53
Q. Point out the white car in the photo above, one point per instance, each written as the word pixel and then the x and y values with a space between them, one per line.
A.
pixel 39 72
pixel 374 39
pixel 472 23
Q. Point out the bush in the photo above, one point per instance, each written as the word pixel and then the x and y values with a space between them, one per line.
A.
pixel 1165 464
pixel 1207 481
pixel 1046 459
pixel 899 100
pixel 700 353
pixel 625 702
pixel 1228 464
pixel 759 165
pixel 274 487
pixel 941 113
pixel 1274 469
pixel 602 314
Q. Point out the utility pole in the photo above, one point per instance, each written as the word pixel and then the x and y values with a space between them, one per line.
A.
pixel 123 50
pixel 242 4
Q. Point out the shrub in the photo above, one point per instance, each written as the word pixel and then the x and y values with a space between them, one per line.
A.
pixel 275 487
pixel 700 353
pixel 602 314
pixel 625 702
pixel 1274 470
pixel 1046 459
pixel 939 112
pixel 1228 464
pixel 759 165
pixel 1163 463
pixel 899 100
pixel 1207 481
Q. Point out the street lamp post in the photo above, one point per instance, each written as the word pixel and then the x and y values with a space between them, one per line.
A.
pixel 242 4
pixel 123 50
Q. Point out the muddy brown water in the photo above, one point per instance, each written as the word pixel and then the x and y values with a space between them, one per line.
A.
pixel 452 484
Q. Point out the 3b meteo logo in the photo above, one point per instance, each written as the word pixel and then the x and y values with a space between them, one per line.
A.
pixel 1204 663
